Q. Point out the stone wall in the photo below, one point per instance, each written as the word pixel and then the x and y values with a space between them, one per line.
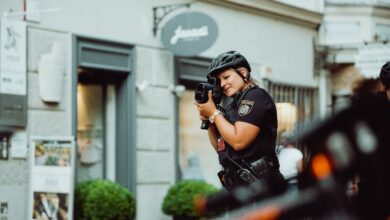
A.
pixel 42 120
pixel 155 131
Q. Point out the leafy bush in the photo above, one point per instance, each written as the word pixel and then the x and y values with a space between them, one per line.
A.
pixel 179 201
pixel 103 199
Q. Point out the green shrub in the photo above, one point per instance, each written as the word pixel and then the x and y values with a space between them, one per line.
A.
pixel 179 201
pixel 103 199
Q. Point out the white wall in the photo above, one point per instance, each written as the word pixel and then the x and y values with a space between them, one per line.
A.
pixel 313 5
pixel 121 20
pixel 287 48
pixel 354 24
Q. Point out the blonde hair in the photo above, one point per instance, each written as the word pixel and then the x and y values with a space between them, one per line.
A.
pixel 249 79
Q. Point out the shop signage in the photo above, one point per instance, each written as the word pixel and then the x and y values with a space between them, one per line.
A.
pixel 189 34
pixel 51 178
pixel 371 58
pixel 13 61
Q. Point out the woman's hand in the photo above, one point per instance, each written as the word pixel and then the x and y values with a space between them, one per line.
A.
pixel 206 109
pixel 238 135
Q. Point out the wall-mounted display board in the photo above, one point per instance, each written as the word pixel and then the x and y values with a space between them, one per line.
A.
pixel 51 177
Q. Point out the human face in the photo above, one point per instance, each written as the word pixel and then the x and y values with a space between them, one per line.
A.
pixel 231 82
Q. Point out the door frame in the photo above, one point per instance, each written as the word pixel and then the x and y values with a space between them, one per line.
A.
pixel 115 57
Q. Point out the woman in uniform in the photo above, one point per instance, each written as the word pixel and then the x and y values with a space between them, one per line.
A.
pixel 244 135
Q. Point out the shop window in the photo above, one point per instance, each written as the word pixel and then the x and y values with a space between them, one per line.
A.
pixel 296 106
pixel 287 116
pixel 196 157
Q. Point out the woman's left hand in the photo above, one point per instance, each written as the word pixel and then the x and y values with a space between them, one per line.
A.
pixel 208 108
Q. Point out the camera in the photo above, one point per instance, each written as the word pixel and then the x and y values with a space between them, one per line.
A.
pixel 201 94
pixel 246 176
pixel 259 167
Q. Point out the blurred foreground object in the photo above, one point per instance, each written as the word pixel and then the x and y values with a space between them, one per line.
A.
pixel 354 141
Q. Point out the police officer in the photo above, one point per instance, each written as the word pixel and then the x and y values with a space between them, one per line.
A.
pixel 384 78
pixel 245 135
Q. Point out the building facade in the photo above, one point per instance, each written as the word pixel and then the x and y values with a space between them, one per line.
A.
pixel 355 37
pixel 121 98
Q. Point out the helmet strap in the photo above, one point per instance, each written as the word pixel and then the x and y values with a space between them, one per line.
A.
pixel 245 78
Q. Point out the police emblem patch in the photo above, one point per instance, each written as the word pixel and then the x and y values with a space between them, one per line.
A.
pixel 245 107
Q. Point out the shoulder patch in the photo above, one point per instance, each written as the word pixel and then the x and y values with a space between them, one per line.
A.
pixel 245 107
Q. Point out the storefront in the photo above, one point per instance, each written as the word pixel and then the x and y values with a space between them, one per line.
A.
pixel 121 98
pixel 272 47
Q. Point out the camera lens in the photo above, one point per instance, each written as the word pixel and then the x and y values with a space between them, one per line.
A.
pixel 198 97
pixel 200 87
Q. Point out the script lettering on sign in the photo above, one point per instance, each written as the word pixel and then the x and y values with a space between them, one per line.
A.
pixel 187 34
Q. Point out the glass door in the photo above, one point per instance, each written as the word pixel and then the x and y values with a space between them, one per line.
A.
pixel 95 131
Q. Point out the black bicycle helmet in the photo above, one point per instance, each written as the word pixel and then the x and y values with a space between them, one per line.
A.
pixel 384 75
pixel 230 59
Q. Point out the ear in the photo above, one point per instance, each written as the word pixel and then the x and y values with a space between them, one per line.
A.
pixel 382 86
pixel 243 71
pixel 388 94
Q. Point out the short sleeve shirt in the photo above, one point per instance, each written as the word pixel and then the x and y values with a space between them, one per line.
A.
pixel 288 160
pixel 254 106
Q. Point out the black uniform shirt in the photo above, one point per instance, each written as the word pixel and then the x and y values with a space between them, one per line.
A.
pixel 254 106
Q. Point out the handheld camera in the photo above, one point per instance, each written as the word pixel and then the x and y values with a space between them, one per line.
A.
pixel 201 94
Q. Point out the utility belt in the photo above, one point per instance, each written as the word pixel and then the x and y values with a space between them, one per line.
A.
pixel 242 172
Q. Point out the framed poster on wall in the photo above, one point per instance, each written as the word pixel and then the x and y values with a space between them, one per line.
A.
pixel 51 178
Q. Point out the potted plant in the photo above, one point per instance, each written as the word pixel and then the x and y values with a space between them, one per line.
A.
pixel 179 200
pixel 103 199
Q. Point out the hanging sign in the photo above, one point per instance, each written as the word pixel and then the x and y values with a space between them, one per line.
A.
pixel 189 34
pixel 13 63
pixel 51 178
